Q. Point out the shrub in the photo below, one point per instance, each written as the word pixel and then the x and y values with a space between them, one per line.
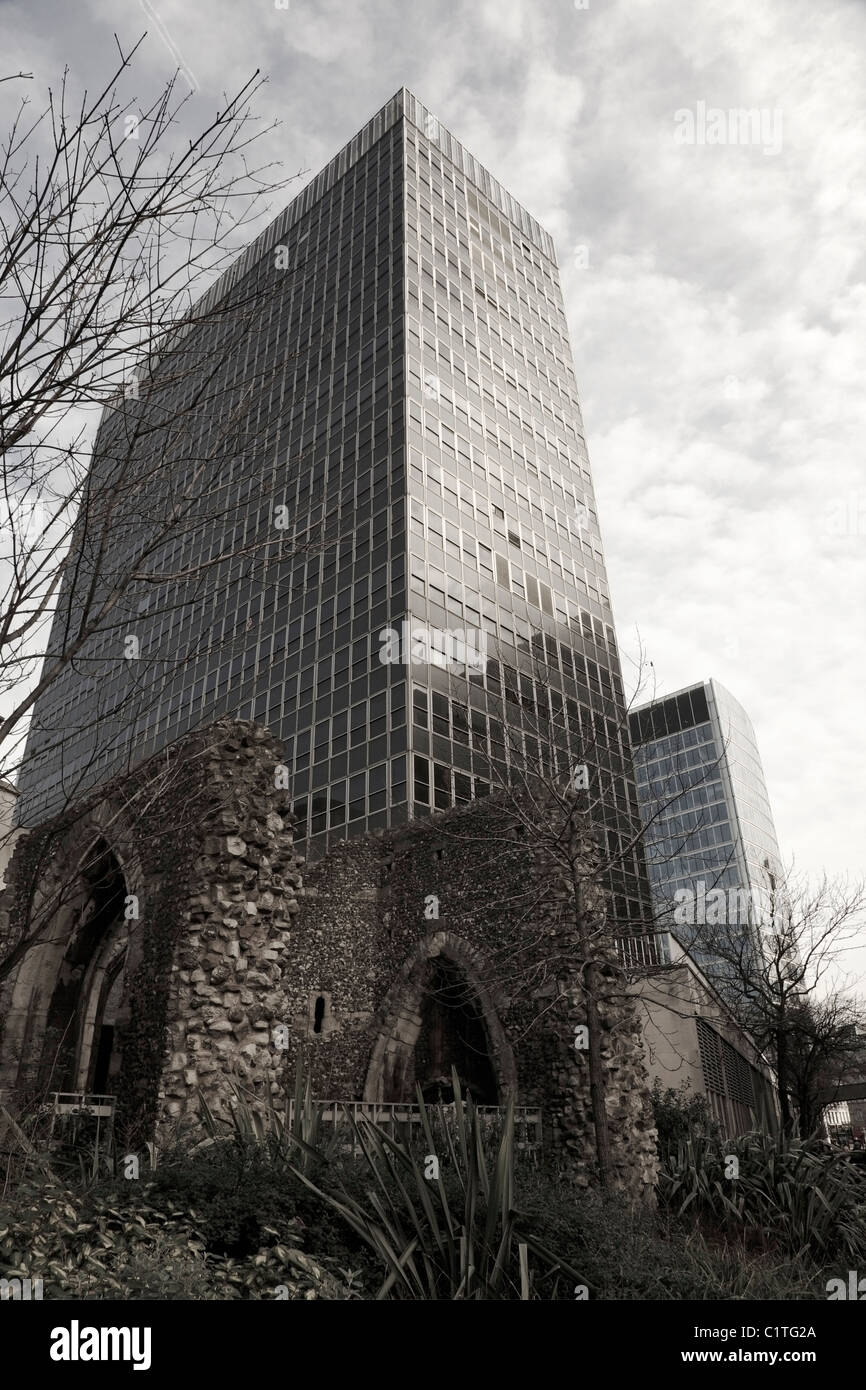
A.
pixel 97 1245
pixel 233 1192
pixel 637 1255
pixel 680 1115
pixel 451 1232
pixel 122 1245
pixel 789 1195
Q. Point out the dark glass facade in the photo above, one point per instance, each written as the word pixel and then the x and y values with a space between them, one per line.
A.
pixel 287 641
pixel 710 827
pixel 421 405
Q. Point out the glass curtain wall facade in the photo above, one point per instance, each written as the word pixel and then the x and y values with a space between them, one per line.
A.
pixel 710 827
pixel 503 528
pixel 422 407
pixel 282 631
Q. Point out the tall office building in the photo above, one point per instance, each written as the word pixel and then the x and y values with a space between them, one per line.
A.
pixel 710 827
pixel 417 428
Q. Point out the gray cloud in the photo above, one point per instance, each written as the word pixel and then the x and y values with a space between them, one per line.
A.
pixel 717 328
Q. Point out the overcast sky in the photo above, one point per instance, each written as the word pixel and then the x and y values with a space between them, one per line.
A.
pixel 715 295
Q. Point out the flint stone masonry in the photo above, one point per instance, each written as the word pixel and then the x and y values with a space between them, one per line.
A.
pixel 396 957
pixel 200 837
pixel 365 939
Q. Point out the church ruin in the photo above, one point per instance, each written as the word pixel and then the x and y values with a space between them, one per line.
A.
pixel 165 945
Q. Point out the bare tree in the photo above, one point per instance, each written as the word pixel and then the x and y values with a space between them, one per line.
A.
pixel 121 556
pixel 782 976
pixel 561 769
pixel 825 1043
pixel 111 228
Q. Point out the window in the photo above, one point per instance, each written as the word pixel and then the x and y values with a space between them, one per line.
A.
pixel 422 780
pixel 319 1020
pixel 419 707
pixel 441 787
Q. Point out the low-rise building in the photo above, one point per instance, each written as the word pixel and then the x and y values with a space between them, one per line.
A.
pixel 691 1038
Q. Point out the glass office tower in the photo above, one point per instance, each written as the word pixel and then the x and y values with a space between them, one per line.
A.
pixel 710 827
pixel 417 419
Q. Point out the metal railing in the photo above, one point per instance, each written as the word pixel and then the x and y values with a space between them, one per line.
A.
pixel 70 1113
pixel 59 1119
pixel 81 1103
pixel 643 951
pixel 400 1120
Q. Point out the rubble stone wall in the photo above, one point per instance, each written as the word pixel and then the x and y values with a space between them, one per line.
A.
pixel 241 963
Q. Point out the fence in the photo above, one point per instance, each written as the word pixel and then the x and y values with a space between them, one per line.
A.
pixel 403 1121
pixel 643 951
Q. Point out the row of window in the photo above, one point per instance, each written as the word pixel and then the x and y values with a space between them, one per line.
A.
pixel 443 242
pixel 667 846
pixel 665 747
pixel 441 360
pixel 367 794
pixel 661 769
pixel 435 394
pixel 518 421
pixel 463 555
pixel 489 324
pixel 442 787
pixel 526 363
pixel 572 527
pixel 355 727
pixel 447 160
pixel 438 180
pixel 567 570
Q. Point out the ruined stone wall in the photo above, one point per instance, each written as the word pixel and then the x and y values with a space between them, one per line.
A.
pixel 227 985
pixel 462 886
pixel 237 969
pixel 209 862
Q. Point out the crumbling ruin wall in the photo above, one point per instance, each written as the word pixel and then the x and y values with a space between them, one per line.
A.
pixel 465 888
pixel 211 884
pixel 236 970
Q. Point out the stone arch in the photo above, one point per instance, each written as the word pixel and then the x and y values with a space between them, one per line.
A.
pixel 57 995
pixel 97 1057
pixel 391 1068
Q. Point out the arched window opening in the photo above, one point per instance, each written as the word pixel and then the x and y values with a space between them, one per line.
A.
pixel 81 1034
pixel 452 1037
pixel 319 1013
pixel 105 1053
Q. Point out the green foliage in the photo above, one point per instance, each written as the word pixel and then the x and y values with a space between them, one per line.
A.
pixel 233 1192
pixel 96 1245
pixel 458 1237
pixel 244 1186
pixel 638 1255
pixel 132 1243
pixel 789 1196
pixel 270 1205
pixel 680 1115
pixel 296 1130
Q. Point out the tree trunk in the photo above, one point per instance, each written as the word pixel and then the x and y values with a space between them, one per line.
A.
pixel 597 1080
pixel 782 1074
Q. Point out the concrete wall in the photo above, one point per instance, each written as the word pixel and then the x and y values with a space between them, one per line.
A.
pixel 670 999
